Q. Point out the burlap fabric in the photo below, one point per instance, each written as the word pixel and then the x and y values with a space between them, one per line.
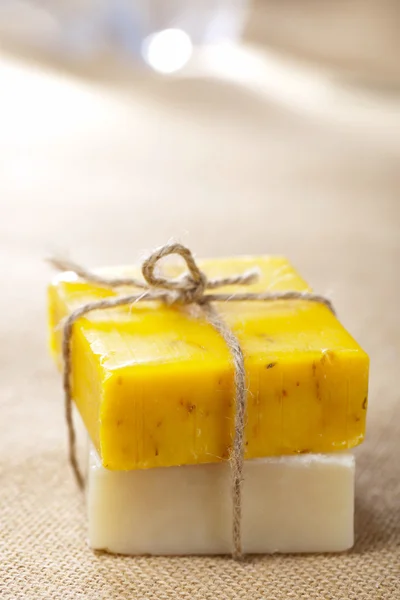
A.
pixel 223 182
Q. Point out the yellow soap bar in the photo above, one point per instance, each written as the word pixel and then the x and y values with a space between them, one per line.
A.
pixel 154 383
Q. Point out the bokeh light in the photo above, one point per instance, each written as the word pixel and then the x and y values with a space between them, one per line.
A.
pixel 167 51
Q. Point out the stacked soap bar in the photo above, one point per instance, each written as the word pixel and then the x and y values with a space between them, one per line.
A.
pixel 290 504
pixel 154 386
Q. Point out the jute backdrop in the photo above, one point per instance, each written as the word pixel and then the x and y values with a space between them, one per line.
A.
pixel 108 177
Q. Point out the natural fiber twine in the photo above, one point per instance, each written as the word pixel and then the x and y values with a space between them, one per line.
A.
pixel 190 288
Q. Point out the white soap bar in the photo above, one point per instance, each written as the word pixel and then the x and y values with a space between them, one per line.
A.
pixel 290 504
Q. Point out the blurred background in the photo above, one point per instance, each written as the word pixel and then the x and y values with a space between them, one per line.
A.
pixel 234 126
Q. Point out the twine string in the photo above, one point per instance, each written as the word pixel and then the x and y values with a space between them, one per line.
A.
pixel 190 288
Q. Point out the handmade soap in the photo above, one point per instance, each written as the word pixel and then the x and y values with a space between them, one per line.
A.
pixel 290 504
pixel 154 383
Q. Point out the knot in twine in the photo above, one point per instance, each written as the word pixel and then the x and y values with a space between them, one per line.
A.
pixel 190 288
pixel 187 289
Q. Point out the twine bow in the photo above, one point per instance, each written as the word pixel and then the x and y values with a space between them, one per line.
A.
pixel 191 288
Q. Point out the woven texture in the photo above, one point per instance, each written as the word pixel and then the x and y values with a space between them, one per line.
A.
pixel 333 209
